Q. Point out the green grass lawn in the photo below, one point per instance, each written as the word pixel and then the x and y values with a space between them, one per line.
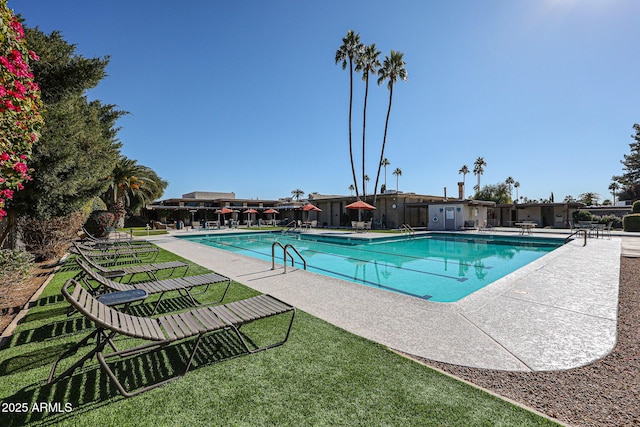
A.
pixel 322 376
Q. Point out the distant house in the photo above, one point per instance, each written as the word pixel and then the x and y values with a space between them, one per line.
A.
pixel 554 215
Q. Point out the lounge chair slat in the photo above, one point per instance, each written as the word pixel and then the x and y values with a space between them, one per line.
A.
pixel 193 324
pixel 227 315
pixel 208 318
pixel 175 326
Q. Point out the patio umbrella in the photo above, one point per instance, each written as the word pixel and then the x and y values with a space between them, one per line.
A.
pixel 222 211
pixel 360 206
pixel 310 207
pixel 273 213
pixel 249 212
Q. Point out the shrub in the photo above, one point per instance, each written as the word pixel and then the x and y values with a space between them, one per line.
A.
pixel 50 238
pixel 99 222
pixel 15 267
pixel 631 222
pixel 635 208
pixel 615 220
pixel 582 215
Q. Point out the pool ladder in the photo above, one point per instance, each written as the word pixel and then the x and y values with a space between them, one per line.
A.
pixel 291 226
pixel 406 228
pixel 285 249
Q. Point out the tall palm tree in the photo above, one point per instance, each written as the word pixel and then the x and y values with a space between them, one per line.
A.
pixel 347 54
pixel 368 63
pixel 351 188
pixel 614 187
pixel 464 170
pixel 478 169
pixel 393 68
pixel 509 181
pixel 516 185
pixel 297 193
pixel 397 173
pixel 385 163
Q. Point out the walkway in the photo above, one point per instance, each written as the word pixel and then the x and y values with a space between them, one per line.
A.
pixel 556 313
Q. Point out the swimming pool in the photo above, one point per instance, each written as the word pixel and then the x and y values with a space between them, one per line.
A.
pixel 437 267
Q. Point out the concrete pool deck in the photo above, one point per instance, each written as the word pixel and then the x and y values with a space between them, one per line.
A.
pixel 558 312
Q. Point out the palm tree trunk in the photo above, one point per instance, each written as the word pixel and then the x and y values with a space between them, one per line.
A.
pixel 384 142
pixel 364 127
pixel 353 167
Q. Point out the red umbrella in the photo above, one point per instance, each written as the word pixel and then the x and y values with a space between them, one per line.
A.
pixel 249 212
pixel 360 205
pixel 311 207
pixel 273 212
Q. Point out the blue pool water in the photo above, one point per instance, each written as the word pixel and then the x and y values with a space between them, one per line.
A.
pixel 437 267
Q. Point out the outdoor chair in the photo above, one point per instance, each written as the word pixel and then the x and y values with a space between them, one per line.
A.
pixel 158 332
pixel 115 253
pixel 121 272
pixel 182 285
pixel 113 236
pixel 106 242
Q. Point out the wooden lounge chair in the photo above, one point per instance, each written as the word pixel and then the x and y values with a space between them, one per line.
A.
pixel 182 285
pixel 163 330
pixel 115 253
pixel 130 271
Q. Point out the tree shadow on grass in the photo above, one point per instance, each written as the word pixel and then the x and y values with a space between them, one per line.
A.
pixel 90 388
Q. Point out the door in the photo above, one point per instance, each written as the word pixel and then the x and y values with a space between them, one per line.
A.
pixel 449 218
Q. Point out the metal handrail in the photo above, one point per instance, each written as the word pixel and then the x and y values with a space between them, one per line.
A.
pixel 273 255
pixel 291 225
pixel 285 253
pixel 408 229
pixel 575 233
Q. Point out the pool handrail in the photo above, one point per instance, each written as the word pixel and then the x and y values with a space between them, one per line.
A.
pixel 408 229
pixel 575 233
pixel 285 249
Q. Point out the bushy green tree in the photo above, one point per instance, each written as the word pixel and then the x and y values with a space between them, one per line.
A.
pixel 498 193
pixel 78 148
pixel 630 180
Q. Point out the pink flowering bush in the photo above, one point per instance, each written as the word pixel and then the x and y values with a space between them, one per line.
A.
pixel 20 120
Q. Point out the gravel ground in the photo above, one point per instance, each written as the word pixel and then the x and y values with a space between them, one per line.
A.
pixel 603 393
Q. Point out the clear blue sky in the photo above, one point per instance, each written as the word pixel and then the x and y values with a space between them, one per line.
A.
pixel 245 96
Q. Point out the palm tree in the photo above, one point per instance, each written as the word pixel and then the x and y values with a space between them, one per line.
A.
pixel 614 187
pixel 297 193
pixel 478 169
pixel 509 181
pixel 347 54
pixel 385 163
pixel 131 186
pixel 367 62
pixel 464 170
pixel 516 185
pixel 392 70
pixel 351 188
pixel 397 173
